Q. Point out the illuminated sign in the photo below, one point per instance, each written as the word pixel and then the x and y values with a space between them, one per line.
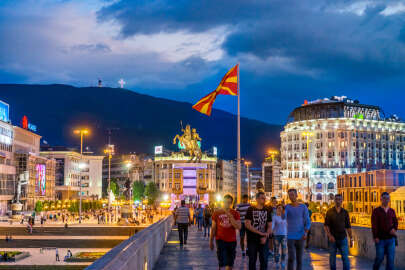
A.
pixel 26 125
pixel 4 111
pixel 358 116
pixel 158 150
pixel 40 179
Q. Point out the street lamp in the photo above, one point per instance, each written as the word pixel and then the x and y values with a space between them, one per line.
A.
pixel 81 132
pixel 247 163
pixel 110 152
pixel 308 134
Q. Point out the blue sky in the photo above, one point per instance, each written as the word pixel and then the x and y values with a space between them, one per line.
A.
pixel 288 50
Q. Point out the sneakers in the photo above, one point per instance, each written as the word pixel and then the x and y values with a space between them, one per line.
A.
pixel 243 254
pixel 282 265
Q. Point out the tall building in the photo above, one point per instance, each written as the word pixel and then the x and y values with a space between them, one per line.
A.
pixel 272 178
pixel 227 178
pixel 7 168
pixel 69 173
pixel 330 137
pixel 35 173
pixel 361 192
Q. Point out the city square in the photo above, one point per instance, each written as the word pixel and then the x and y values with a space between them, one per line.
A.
pixel 163 134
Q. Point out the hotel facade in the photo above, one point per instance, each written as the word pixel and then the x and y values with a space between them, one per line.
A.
pixel 330 137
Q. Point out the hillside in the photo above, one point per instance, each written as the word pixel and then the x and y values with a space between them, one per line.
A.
pixel 143 121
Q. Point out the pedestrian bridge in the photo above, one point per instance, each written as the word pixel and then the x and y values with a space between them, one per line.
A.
pixel 157 248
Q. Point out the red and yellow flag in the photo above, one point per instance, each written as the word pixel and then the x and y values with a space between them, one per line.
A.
pixel 227 86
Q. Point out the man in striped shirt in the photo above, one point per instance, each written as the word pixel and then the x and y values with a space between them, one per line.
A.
pixel 242 209
pixel 182 219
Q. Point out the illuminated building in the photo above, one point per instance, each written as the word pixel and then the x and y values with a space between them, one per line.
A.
pixel 330 137
pixel 68 174
pixel 191 181
pixel 361 192
pixel 398 203
pixel 36 173
pixel 7 168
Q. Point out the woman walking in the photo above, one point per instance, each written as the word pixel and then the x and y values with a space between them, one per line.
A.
pixel 280 236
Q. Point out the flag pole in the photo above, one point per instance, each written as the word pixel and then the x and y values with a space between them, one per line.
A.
pixel 238 167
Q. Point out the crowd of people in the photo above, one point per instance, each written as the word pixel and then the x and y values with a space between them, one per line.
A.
pixel 281 232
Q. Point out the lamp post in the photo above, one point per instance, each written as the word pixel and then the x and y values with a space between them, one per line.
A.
pixel 109 151
pixel 82 132
pixel 308 134
pixel 247 163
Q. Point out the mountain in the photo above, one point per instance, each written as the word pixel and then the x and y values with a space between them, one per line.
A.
pixel 139 121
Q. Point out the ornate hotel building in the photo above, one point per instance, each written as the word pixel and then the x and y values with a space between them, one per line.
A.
pixel 330 137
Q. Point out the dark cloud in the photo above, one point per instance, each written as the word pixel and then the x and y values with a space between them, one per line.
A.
pixel 328 36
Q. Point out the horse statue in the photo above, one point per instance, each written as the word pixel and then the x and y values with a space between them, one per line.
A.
pixel 189 140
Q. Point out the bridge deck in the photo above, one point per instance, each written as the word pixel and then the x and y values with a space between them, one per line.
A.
pixel 196 255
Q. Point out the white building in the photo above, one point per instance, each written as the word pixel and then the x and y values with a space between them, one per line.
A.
pixel 68 173
pixel 329 137
pixel 255 176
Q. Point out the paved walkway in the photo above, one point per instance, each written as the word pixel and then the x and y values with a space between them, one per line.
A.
pixel 196 255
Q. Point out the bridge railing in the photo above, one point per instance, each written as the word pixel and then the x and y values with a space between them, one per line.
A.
pixel 363 242
pixel 140 251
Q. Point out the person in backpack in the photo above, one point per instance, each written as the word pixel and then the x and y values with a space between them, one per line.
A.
pixel 207 220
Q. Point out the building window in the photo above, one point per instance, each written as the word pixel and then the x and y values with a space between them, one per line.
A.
pixel 331 185
pixel 319 197
pixel 319 186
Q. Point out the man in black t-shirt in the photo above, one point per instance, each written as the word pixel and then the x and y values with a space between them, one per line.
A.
pixel 258 225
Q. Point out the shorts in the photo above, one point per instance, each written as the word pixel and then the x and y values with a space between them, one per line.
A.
pixel 242 230
pixel 226 252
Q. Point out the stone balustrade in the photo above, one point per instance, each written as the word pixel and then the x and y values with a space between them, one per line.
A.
pixel 140 251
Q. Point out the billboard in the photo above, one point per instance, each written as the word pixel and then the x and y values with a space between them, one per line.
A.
pixel 4 112
pixel 40 179
pixel 158 150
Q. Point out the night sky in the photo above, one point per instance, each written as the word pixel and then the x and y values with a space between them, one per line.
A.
pixel 288 50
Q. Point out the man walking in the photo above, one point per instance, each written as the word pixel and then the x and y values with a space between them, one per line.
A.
pixel 207 220
pixel 225 222
pixel 183 220
pixel 57 254
pixel 298 225
pixel 242 209
pixel 200 216
pixel 337 223
pixel 258 225
pixel 384 226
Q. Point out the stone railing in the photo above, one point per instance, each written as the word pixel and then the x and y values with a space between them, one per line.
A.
pixel 363 242
pixel 140 251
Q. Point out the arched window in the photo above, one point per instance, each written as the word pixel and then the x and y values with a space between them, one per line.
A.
pixel 319 197
pixel 319 185
pixel 331 185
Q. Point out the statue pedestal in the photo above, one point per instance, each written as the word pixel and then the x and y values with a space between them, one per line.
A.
pixel 16 209
pixel 126 211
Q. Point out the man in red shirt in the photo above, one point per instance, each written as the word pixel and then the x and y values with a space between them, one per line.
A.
pixel 225 222
pixel 384 226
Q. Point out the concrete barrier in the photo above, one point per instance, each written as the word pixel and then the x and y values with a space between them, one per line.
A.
pixel 363 243
pixel 141 251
